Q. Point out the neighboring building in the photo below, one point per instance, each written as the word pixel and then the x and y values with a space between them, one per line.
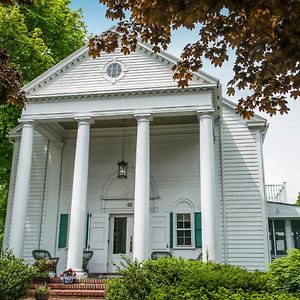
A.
pixel 195 178
pixel 284 221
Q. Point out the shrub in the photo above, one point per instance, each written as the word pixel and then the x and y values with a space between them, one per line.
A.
pixel 172 278
pixel 284 273
pixel 15 274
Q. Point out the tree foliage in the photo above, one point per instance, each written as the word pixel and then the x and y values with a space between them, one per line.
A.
pixel 36 37
pixel 263 34
pixel 298 200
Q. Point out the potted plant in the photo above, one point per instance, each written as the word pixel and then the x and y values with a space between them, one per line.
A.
pixel 68 275
pixel 42 269
pixel 42 292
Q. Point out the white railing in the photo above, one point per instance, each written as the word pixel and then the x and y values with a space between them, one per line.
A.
pixel 276 193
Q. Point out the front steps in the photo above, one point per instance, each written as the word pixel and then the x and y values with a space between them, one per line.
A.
pixel 88 289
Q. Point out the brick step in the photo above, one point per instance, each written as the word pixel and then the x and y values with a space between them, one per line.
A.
pixel 67 298
pixel 74 293
pixel 73 286
pixel 85 280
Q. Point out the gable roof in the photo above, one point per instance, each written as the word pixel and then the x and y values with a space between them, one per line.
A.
pixel 81 74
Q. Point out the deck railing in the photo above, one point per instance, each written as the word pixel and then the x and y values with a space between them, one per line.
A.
pixel 276 193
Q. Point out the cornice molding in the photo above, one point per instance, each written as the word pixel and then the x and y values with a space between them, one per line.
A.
pixel 121 93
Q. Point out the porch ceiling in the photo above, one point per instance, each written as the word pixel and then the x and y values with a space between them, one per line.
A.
pixel 172 120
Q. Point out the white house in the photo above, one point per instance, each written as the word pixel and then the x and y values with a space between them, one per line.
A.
pixel 194 183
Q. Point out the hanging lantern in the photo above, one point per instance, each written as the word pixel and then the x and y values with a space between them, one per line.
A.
pixel 122 171
pixel 122 174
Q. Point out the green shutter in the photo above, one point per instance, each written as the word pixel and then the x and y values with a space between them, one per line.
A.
pixel 63 231
pixel 171 230
pixel 198 230
pixel 87 246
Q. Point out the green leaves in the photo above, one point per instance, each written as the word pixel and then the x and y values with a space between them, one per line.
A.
pixel 172 278
pixel 15 274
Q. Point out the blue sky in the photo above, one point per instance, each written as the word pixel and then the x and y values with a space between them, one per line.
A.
pixel 282 143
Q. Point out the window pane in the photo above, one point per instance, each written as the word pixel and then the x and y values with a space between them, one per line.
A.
pixel 187 224
pixel 188 233
pixel 188 242
pixel 179 224
pixel 179 217
pixel 180 233
pixel 180 241
pixel 119 242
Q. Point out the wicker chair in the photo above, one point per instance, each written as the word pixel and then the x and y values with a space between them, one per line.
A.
pixel 87 255
pixel 44 254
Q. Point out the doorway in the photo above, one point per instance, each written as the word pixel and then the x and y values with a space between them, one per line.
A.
pixel 120 240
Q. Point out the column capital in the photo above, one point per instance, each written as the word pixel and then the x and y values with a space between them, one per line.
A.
pixel 84 119
pixel 205 114
pixel 143 117
pixel 27 122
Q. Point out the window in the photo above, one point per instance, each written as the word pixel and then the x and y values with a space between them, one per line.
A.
pixel 114 70
pixel 296 233
pixel 184 232
pixel 183 225
pixel 277 237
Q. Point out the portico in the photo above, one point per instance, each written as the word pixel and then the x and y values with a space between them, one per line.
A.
pixel 141 216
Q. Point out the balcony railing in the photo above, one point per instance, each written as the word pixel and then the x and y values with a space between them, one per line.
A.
pixel 276 193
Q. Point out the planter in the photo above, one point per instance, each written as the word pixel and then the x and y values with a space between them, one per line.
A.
pixel 68 279
pixel 42 297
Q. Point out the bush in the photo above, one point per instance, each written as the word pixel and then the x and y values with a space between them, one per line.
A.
pixel 15 274
pixel 284 273
pixel 172 278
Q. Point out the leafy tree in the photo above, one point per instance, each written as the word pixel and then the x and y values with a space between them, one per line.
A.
pixel 298 200
pixel 263 34
pixel 36 36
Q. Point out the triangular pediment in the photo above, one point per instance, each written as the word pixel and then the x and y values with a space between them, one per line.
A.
pixel 81 74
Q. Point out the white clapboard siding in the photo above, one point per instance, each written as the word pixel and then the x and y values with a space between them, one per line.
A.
pixel 36 196
pixel 221 232
pixel 9 209
pixel 144 71
pixel 243 212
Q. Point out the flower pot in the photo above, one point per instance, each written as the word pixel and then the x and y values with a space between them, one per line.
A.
pixel 42 297
pixel 68 279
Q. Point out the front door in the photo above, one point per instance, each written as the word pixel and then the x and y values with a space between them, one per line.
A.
pixel 120 240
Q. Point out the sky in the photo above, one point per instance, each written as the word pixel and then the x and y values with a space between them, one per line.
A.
pixel 281 148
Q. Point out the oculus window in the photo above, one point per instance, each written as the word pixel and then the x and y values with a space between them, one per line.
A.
pixel 114 70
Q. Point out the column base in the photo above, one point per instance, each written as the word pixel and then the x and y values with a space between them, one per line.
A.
pixel 80 274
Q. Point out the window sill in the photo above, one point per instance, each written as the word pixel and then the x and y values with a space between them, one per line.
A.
pixel 184 248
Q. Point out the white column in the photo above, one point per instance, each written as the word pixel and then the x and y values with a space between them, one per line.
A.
pixel 288 234
pixel 209 206
pixel 16 240
pixel 142 189
pixel 79 197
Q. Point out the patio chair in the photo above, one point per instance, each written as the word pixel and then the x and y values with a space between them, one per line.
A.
pixel 158 254
pixel 44 254
pixel 87 255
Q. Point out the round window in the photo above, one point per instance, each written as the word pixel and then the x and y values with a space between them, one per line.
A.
pixel 114 70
